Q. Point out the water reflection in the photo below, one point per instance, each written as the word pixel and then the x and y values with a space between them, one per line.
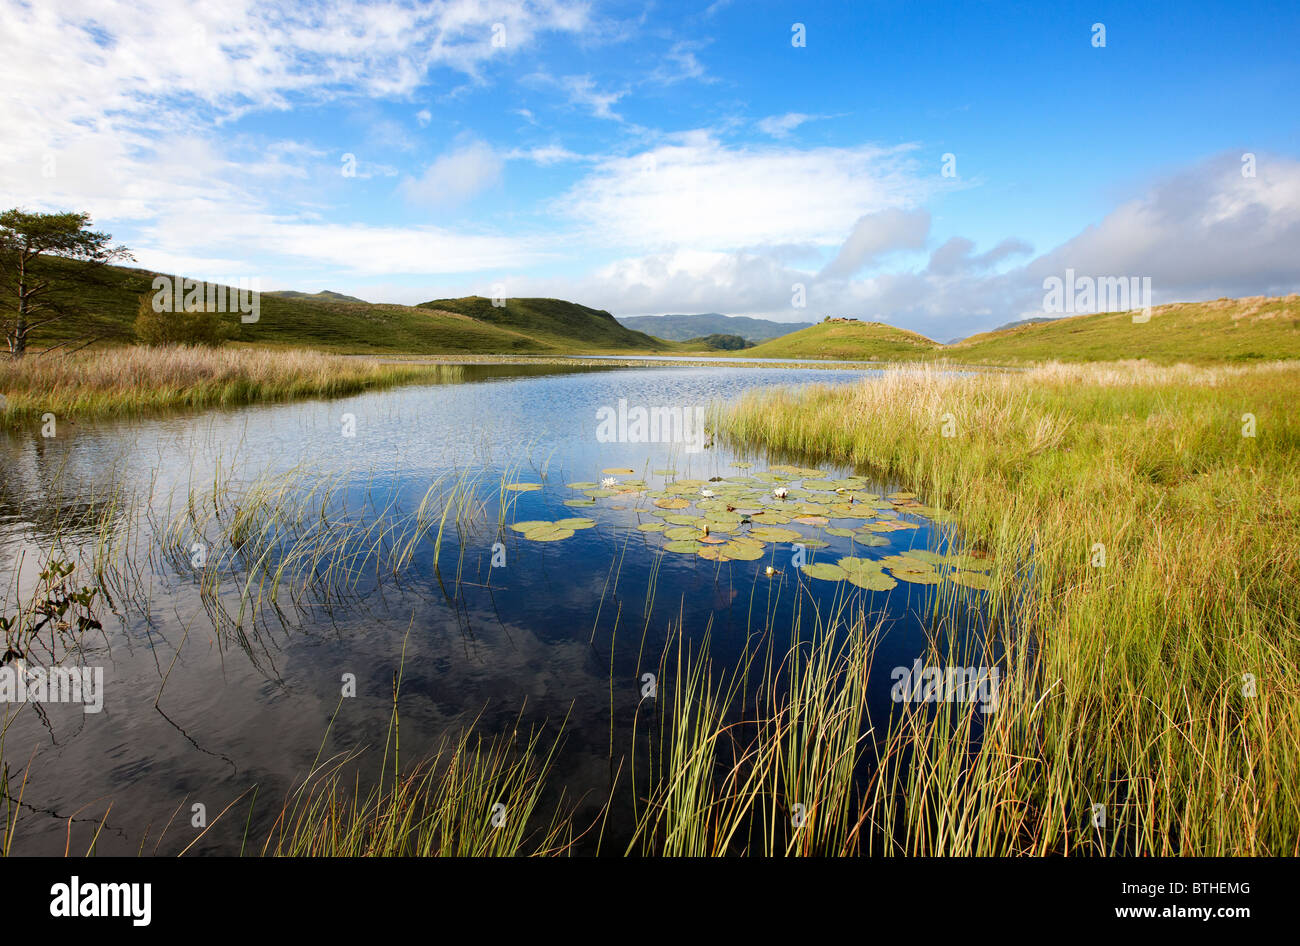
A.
pixel 209 696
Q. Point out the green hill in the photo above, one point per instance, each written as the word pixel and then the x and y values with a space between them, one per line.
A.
pixel 554 323
pixel 1250 329
pixel 107 300
pixel 844 340
pixel 719 342
pixel 325 295
pixel 1234 330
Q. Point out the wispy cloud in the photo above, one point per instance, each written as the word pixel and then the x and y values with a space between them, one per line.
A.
pixel 457 176
pixel 698 192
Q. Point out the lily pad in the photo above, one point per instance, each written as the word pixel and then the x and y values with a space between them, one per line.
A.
pixel 575 524
pixel 682 547
pixel 977 580
pixel 872 580
pixel 775 534
pixel 722 515
pixel 650 527
pixel 677 533
pixel 743 551
pixel 917 576
pixel 548 533
pixel 618 471
pixel 523 487
pixel 672 502
pixel 824 571
pixel 580 502
pixel 531 524
pixel 927 556
pixel 851 563
pixel 582 485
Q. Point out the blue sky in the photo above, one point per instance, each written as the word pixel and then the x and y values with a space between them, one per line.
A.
pixel 672 157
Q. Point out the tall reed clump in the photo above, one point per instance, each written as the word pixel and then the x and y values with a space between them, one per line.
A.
pixel 117 382
pixel 311 534
pixel 760 757
pixel 1152 515
pixel 472 798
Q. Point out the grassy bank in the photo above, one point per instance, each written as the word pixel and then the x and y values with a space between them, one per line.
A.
pixel 131 381
pixel 1157 649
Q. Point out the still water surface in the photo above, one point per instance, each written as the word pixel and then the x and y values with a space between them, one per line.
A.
pixel 563 631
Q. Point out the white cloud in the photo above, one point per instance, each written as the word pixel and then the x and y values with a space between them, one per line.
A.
pixel 223 242
pixel 875 235
pixel 780 126
pixel 1203 233
pixel 699 193
pixel 582 91
pixel 545 155
pixel 134 101
pixel 457 176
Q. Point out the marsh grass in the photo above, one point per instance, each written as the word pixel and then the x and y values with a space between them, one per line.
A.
pixel 473 797
pixel 132 381
pixel 1133 687
pixel 313 538
pixel 1123 683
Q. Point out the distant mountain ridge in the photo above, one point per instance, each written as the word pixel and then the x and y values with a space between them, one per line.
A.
pixel 680 328
pixel 323 295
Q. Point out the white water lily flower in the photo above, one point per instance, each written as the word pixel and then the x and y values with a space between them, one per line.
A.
pixel 608 483
pixel 780 492
pixel 707 493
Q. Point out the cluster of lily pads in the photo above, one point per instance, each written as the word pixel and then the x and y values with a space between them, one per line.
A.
pixel 735 517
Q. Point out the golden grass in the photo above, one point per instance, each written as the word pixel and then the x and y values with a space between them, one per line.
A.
pixel 1160 682
pixel 130 381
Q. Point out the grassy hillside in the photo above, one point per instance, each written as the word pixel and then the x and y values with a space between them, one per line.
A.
pixel 848 341
pixel 1226 330
pixel 324 295
pixel 1235 330
pixel 554 323
pixel 681 328
pixel 107 301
